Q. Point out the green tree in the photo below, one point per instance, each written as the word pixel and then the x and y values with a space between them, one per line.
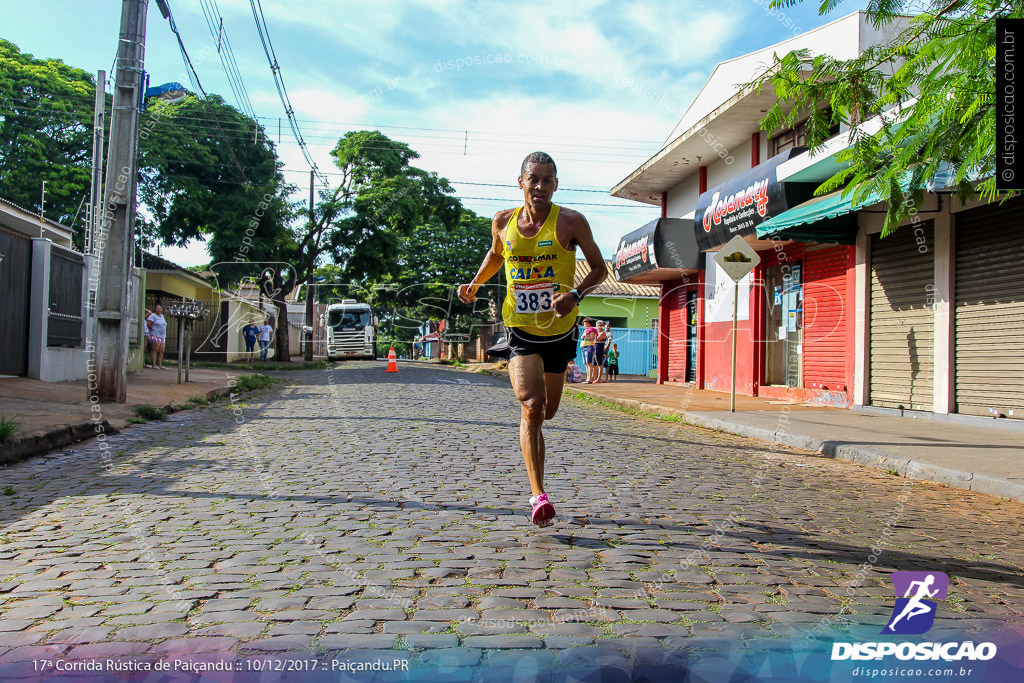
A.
pixel 46 112
pixel 380 200
pixel 434 260
pixel 208 171
pixel 936 82
pixel 361 225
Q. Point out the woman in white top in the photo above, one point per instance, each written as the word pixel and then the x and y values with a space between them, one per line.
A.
pixel 156 326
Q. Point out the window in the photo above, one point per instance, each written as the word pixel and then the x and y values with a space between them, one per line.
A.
pixel 349 320
pixel 796 136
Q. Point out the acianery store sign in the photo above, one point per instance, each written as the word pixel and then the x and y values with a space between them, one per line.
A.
pixel 739 205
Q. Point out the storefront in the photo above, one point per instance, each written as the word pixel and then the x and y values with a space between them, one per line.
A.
pixel 664 252
pixel 793 329
pixel 988 328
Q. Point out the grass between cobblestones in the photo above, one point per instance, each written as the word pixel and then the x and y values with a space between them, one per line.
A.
pixel 243 384
pixel 598 551
pixel 581 396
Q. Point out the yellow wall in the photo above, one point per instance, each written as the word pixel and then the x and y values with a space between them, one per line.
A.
pixel 179 285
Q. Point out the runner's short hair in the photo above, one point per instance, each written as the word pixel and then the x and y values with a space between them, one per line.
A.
pixel 537 158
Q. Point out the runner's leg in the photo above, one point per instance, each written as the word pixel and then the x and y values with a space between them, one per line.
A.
pixel 553 383
pixel 528 381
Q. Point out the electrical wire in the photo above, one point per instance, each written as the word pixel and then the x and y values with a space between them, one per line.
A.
pixel 275 70
pixel 194 78
pixel 518 139
pixel 215 22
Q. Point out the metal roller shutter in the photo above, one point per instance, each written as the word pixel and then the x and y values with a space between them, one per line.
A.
pixel 990 310
pixel 825 318
pixel 676 330
pixel 902 324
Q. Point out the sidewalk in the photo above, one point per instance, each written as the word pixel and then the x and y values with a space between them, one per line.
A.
pixel 985 459
pixel 55 414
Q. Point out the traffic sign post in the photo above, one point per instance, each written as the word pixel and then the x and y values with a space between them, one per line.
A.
pixel 736 258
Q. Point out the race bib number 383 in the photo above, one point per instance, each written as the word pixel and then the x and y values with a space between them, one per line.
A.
pixel 534 298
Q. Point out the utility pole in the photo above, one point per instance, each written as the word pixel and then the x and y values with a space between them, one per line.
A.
pixel 96 186
pixel 309 281
pixel 114 246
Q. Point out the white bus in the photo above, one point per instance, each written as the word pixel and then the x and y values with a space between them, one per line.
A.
pixel 351 330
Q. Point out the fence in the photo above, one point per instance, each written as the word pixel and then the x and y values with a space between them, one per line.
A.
pixel 636 350
pixel 64 312
pixel 15 272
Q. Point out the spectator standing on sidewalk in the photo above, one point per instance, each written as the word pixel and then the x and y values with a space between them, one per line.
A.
pixel 250 332
pixel 156 331
pixel 613 363
pixel 587 347
pixel 266 331
pixel 599 349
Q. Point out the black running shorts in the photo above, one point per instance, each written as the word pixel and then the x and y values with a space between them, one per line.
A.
pixel 555 351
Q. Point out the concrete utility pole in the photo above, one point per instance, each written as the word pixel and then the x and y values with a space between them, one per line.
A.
pixel 96 184
pixel 309 281
pixel 114 241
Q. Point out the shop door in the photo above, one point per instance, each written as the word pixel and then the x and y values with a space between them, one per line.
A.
pixel 990 311
pixel 784 330
pixel 902 319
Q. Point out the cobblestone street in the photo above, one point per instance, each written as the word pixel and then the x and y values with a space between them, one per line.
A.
pixel 352 509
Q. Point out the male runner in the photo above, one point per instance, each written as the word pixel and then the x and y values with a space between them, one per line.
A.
pixel 537 244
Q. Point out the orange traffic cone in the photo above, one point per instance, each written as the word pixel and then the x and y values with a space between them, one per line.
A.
pixel 392 361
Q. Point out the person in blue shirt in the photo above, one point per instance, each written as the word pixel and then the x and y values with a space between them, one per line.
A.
pixel 249 333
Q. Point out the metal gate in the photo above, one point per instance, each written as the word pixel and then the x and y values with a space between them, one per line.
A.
pixel 826 345
pixel 64 310
pixel 676 323
pixel 902 327
pixel 990 310
pixel 636 350
pixel 15 274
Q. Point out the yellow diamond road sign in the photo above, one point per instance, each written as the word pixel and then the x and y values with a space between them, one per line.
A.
pixel 737 258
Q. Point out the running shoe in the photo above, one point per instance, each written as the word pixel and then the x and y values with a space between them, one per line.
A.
pixel 543 511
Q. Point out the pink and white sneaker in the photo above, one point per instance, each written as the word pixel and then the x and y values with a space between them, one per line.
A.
pixel 543 513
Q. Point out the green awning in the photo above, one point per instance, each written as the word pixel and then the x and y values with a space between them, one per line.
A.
pixel 829 218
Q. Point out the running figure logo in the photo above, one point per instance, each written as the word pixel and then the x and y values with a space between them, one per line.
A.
pixel 914 613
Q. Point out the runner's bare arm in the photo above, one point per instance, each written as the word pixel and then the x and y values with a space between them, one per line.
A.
pixel 493 259
pixel 580 234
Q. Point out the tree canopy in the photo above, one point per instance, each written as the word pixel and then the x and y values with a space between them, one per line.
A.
pixel 46 112
pixel 935 81
pixel 207 171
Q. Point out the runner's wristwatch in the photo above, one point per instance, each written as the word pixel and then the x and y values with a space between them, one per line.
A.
pixel 576 293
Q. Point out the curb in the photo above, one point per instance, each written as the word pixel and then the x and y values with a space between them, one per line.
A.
pixel 59 437
pixel 27 446
pixel 905 467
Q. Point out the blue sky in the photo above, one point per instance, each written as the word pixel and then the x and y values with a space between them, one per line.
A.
pixel 598 85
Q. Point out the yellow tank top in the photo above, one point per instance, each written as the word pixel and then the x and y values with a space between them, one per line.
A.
pixel 536 269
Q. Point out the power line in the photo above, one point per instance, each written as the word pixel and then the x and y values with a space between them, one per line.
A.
pixel 215 22
pixel 275 69
pixel 461 131
pixel 457 135
pixel 194 78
